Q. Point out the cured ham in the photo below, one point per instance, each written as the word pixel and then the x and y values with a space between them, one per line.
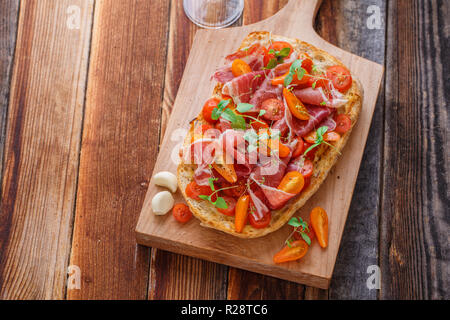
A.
pixel 241 88
pixel 302 127
pixel 277 198
pixel 318 97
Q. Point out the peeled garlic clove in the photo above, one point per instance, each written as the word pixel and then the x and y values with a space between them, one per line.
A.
pixel 162 202
pixel 166 179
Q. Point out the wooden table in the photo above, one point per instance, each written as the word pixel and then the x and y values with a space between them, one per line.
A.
pixel 79 142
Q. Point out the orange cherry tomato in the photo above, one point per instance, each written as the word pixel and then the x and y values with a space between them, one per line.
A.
pixel 299 148
pixel 226 170
pixel 181 213
pixel 319 223
pixel 296 107
pixel 282 150
pixel 231 206
pixel 329 136
pixel 276 46
pixel 292 182
pixel 208 108
pixel 240 218
pixel 307 169
pixel 295 251
pixel 274 109
pixel 193 190
pixel 240 67
pixel 261 124
pixel 341 77
pixel 295 81
pixel 343 123
pixel 261 223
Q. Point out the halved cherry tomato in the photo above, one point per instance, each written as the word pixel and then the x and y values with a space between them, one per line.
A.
pixel 295 251
pixel 260 124
pixel 296 107
pixel 277 46
pixel 240 218
pixel 261 223
pixel 328 136
pixel 307 169
pixel 235 190
pixel 319 222
pixel 231 206
pixel 310 233
pixel 299 148
pixel 240 67
pixel 343 123
pixel 274 109
pixel 181 213
pixel 277 146
pixel 193 190
pixel 292 182
pixel 311 153
pixel 341 77
pixel 295 81
pixel 209 106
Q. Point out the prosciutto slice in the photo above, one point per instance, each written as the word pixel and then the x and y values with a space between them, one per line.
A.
pixel 277 198
pixel 318 97
pixel 242 88
pixel 224 74
pixel 302 127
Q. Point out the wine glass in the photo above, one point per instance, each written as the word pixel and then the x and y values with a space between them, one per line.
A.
pixel 213 14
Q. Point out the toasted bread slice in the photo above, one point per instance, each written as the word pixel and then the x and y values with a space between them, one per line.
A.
pixel 324 160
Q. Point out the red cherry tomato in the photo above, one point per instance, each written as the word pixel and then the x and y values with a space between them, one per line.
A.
pixel 193 190
pixel 182 213
pixel 231 203
pixel 260 124
pixel 343 123
pixel 277 46
pixel 259 224
pixel 274 109
pixel 299 148
pixel 311 153
pixel 341 77
pixel 307 169
pixel 310 234
pixel 307 183
pixel 208 108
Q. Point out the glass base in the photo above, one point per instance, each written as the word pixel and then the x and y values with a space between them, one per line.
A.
pixel 213 14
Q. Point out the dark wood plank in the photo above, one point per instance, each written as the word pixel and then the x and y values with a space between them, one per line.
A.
pixel 41 150
pixel 9 15
pixel 344 23
pixel 174 276
pixel 414 223
pixel 120 139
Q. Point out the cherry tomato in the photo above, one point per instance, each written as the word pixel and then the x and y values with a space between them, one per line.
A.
pixel 311 153
pixel 240 67
pixel 274 109
pixel 292 182
pixel 307 169
pixel 193 190
pixel 277 46
pixel 261 124
pixel 235 190
pixel 319 223
pixel 181 213
pixel 282 150
pixel 241 212
pixel 307 183
pixel 231 205
pixel 261 223
pixel 319 81
pixel 341 77
pixel 331 136
pixel 343 123
pixel 296 107
pixel 299 148
pixel 295 251
pixel 208 108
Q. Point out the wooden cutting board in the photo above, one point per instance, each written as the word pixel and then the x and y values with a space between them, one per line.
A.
pixel 209 48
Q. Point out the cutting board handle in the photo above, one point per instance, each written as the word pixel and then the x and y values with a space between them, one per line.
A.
pixel 298 14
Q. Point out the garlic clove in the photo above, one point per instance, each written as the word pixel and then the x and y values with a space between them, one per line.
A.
pixel 166 179
pixel 162 203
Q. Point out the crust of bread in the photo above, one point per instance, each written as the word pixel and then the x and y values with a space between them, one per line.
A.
pixel 324 161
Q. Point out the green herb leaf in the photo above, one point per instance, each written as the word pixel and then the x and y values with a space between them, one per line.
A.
pixel 221 203
pixel 306 238
pixel 283 53
pixel 294 222
pixel 272 63
pixel 261 113
pixel 323 103
pixel 244 107
pixel 204 197
pixel 211 183
pixel 289 243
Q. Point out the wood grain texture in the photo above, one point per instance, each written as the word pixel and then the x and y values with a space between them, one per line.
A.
pixel 120 139
pixel 9 14
pixel 344 23
pixel 41 151
pixel 191 239
pixel 415 220
pixel 173 276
